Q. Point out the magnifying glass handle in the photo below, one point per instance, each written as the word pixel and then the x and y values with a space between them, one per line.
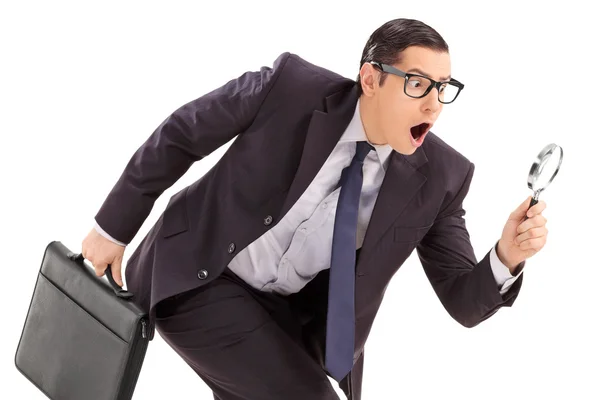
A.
pixel 532 203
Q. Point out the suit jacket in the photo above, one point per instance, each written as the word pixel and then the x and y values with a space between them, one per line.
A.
pixel 286 120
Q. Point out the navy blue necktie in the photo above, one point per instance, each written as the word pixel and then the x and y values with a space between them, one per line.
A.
pixel 339 345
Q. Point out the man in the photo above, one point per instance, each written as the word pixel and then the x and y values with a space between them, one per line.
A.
pixel 265 275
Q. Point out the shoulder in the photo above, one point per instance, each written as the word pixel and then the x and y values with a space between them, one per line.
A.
pixel 297 73
pixel 436 148
pixel 302 66
pixel 447 167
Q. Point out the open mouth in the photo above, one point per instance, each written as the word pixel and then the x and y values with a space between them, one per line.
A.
pixel 419 132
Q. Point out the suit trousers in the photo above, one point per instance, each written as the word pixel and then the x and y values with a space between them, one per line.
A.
pixel 246 344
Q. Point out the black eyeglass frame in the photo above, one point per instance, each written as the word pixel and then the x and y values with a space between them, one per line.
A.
pixel 395 71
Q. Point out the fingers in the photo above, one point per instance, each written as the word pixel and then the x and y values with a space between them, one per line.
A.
pixel 523 210
pixel 536 209
pixel 535 222
pixel 100 267
pixel 116 272
pixel 533 244
pixel 520 211
pixel 524 204
pixel 101 252
pixel 115 269
pixel 532 233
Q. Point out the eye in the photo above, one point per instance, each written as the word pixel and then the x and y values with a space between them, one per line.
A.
pixel 415 82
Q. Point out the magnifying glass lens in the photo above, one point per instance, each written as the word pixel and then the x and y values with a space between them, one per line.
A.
pixel 547 169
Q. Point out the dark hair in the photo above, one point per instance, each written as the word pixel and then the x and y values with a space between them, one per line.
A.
pixel 389 40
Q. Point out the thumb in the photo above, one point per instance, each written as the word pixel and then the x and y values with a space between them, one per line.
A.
pixel 116 272
pixel 521 211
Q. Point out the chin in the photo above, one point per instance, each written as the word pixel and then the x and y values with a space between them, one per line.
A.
pixel 408 153
pixel 406 150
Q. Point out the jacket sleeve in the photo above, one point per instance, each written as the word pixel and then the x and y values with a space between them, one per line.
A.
pixel 189 134
pixel 466 288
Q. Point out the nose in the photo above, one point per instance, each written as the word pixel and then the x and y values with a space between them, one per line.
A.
pixel 431 100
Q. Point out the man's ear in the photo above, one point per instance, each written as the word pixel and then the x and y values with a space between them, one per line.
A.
pixel 369 79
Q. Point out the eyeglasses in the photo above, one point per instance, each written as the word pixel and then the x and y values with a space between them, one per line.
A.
pixel 417 86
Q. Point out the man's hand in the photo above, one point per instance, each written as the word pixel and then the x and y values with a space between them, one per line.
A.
pixel 522 239
pixel 100 252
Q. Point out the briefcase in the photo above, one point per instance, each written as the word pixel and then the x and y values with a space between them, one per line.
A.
pixel 84 338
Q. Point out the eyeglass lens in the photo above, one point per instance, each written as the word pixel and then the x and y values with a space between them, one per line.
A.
pixel 416 86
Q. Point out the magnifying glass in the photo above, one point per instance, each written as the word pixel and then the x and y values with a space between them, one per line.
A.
pixel 543 170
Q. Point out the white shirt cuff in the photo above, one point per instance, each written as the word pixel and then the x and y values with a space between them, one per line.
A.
pixel 502 274
pixel 106 235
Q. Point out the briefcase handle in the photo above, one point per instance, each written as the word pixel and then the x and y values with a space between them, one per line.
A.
pixel 119 291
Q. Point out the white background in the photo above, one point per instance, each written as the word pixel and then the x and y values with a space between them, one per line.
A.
pixel 83 85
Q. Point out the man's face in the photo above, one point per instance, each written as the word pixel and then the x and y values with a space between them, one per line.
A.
pixel 393 113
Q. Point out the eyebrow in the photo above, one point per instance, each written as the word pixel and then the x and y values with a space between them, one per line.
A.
pixel 423 73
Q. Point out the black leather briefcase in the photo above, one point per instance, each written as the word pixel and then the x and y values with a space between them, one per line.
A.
pixel 83 338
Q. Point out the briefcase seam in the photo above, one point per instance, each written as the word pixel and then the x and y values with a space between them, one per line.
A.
pixel 83 309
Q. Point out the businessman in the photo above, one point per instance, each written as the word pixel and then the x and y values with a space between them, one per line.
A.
pixel 265 275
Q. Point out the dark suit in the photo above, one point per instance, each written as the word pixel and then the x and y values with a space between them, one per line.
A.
pixel 287 120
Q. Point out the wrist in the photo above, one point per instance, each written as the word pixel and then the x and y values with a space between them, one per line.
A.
pixel 508 263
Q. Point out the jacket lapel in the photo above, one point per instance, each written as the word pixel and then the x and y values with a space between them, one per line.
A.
pixel 324 131
pixel 401 182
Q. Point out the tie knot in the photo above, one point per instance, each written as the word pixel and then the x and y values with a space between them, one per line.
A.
pixel 362 149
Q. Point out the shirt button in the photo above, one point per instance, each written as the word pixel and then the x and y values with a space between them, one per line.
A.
pixel 324 205
pixel 268 220
pixel 231 248
pixel 202 274
pixel 303 230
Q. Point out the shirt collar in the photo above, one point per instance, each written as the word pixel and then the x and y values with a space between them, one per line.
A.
pixel 355 132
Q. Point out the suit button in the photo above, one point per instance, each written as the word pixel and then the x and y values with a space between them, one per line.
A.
pixel 231 248
pixel 202 274
pixel 268 220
